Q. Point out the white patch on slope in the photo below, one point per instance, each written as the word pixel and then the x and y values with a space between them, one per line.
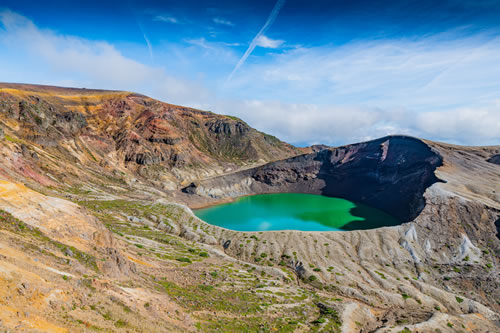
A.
pixel 467 249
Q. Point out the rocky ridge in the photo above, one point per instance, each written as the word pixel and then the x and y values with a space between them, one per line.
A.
pixel 125 137
pixel 100 236
pixel 447 194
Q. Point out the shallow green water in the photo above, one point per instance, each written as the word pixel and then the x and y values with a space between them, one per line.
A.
pixel 294 211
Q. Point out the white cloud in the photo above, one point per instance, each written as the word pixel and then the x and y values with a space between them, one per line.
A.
pixel 213 51
pixel 270 20
pixel 222 21
pixel 93 64
pixel 164 18
pixel 463 125
pixel 146 39
pixel 445 89
pixel 310 123
pixel 422 74
pixel 440 87
pixel 335 125
pixel 264 41
pixel 201 42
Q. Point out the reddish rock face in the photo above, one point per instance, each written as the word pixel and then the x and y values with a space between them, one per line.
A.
pixel 131 131
pixel 112 153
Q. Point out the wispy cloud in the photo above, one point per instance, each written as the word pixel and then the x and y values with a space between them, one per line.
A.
pixel 440 87
pixel 201 42
pixel 264 41
pixel 92 64
pixel 222 21
pixel 253 44
pixel 167 19
pixel 150 47
pixel 432 72
pixel 443 87
pixel 230 44
pixel 146 39
pixel 302 123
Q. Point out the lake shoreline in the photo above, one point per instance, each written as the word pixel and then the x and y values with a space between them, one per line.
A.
pixel 227 200
pixel 292 211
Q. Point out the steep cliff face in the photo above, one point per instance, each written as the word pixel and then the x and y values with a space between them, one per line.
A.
pixel 495 159
pixel 110 244
pixel 448 194
pixel 120 132
pixel 390 173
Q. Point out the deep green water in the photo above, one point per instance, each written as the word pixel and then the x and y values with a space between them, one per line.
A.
pixel 294 211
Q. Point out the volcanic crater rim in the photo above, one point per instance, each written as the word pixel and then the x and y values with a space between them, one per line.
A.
pixel 390 174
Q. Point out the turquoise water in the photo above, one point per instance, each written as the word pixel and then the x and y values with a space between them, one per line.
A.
pixel 294 211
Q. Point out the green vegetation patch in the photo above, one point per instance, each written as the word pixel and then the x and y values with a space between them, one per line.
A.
pixel 184 259
pixel 209 298
pixel 245 324
pixel 405 296
pixel 328 319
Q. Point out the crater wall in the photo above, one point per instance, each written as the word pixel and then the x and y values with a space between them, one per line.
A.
pixel 447 255
pixel 390 174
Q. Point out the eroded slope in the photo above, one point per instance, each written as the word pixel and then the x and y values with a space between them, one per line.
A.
pixel 445 258
pixel 108 246
pixel 57 136
pixel 390 173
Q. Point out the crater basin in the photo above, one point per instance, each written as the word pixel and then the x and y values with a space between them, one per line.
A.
pixel 294 211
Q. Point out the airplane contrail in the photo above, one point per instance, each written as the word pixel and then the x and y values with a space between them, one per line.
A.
pixel 146 39
pixel 150 48
pixel 253 44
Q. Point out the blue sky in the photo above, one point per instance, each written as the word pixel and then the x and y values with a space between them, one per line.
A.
pixel 330 72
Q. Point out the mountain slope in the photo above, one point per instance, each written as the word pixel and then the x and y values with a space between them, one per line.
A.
pixel 113 132
pixel 94 235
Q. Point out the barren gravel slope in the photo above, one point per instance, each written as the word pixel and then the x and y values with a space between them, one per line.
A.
pixel 95 233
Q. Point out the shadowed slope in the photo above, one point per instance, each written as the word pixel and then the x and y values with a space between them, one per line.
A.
pixel 390 174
